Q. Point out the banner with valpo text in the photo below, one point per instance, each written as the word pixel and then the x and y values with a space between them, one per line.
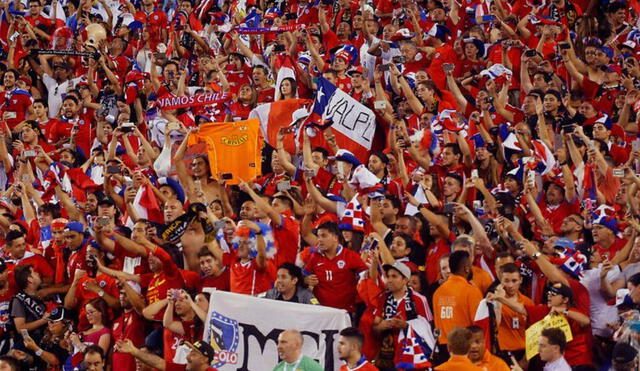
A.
pixel 244 331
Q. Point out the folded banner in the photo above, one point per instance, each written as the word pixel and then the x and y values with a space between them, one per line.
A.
pixel 353 124
pixel 246 341
pixel 265 30
pixel 170 101
pixel 233 149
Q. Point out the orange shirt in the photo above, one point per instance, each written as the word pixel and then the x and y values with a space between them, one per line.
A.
pixel 458 363
pixel 455 304
pixel 489 362
pixel 481 279
pixel 233 148
pixel 512 326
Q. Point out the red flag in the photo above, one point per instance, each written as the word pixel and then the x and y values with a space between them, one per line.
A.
pixel 147 206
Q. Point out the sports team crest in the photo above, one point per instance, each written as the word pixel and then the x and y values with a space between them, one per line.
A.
pixel 224 339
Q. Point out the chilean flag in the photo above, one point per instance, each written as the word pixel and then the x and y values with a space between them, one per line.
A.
pixel 286 68
pixel 544 155
pixel 277 115
pixel 146 205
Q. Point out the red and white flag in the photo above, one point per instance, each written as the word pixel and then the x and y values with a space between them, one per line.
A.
pixel 146 205
pixel 279 114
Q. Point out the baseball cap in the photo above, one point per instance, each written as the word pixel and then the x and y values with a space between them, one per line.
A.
pixel 346 156
pixel 204 348
pixel 564 243
pixel 400 267
pixel 58 314
pixel 356 70
pixel 75 227
pixel 177 188
pixel 561 289
pixel 106 201
pixel 624 353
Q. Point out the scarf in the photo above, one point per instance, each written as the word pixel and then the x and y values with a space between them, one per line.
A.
pixel 386 355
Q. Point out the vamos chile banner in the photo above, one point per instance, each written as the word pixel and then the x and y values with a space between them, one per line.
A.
pixel 244 331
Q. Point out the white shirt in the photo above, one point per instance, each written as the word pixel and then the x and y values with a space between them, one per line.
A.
pixel 55 91
pixel 559 364
pixel 600 312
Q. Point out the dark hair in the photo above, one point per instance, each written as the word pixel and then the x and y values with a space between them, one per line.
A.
pixel 12 236
pixel 71 98
pixel 41 101
pixel 15 72
pixel 294 85
pixel 475 330
pixel 406 238
pixel 384 158
pixel 101 306
pixel 455 176
pixel 353 333
pixel 325 153
pixel 545 76
pixel 458 260
pixel 635 279
pixel 50 208
pixel 204 251
pixel 509 268
pixel 22 274
pixel 294 271
pixel 555 336
pixel 95 349
pixel 330 227
pixel 454 147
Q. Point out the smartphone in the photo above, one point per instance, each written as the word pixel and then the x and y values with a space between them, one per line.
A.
pixel 127 127
pixel 279 48
pixel 309 173
pixel 531 177
pixel 128 183
pixel 474 173
pixel 564 46
pixel 618 173
pixel 103 221
pixel 380 105
pixel 449 208
pixel 14 37
pixel 291 16
pixel 530 53
pixel 284 185
pixel 159 55
pixel 448 67
pixel 635 145
pixel 219 224
pixel 11 115
pixel 398 59
pixel 557 142
pixel 113 169
pixel 29 153
pixel 477 204
pixel 227 176
pixel 384 67
pixel 25 334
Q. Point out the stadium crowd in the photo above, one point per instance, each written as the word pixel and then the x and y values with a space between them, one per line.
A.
pixel 499 190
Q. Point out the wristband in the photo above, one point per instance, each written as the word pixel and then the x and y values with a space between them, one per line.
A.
pixel 39 352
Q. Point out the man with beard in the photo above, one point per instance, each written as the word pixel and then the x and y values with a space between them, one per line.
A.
pixel 15 103
pixel 71 123
pixel 350 350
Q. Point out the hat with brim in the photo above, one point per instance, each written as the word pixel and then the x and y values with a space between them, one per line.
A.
pixel 561 289
pixel 400 267
pixel 203 348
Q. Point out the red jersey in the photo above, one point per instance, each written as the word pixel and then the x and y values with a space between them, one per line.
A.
pixel 128 326
pixel 221 282
pixel 287 236
pixel 17 103
pixel 556 214
pixel 617 245
pixel 363 365
pixel 192 332
pixel 337 277
pixel 247 278
pixel 106 283
pixel 84 139
pixel 158 284
pixel 156 21
pixel 266 95
pixel 434 253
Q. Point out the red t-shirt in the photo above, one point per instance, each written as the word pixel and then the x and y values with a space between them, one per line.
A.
pixel 128 326
pixel 247 278
pixel 617 245
pixel 192 332
pixel 16 101
pixel 337 277
pixel 287 236
pixel 106 283
pixel 221 282
pixel 158 284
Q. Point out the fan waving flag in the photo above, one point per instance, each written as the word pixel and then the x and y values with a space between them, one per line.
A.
pixel 146 205
pixel 277 115
pixel 352 123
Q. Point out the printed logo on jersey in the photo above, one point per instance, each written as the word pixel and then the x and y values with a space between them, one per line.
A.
pixel 341 264
pixel 224 339
pixel 234 140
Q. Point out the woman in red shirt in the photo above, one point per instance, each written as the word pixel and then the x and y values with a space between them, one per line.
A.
pixel 244 103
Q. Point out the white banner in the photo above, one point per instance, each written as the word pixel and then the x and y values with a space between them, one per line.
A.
pixel 244 331
pixel 351 118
